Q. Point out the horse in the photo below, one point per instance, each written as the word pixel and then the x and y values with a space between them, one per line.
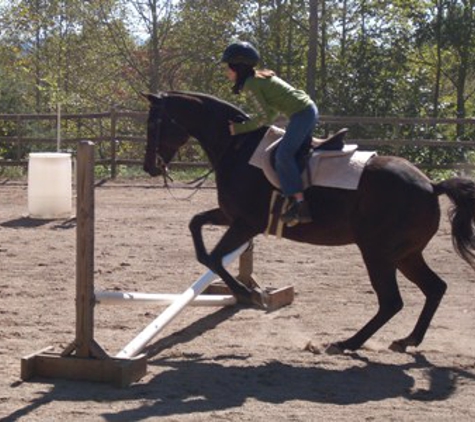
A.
pixel 391 216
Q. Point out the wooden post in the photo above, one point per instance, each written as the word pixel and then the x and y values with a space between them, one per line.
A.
pixel 246 267
pixel 84 344
pixel 84 359
pixel 113 145
pixel 18 140
pixel 276 298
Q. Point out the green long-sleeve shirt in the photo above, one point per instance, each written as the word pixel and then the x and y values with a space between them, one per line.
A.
pixel 272 96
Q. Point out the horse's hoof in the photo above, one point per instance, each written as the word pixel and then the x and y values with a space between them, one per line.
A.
pixel 334 349
pixel 398 346
pixel 260 298
pixel 257 298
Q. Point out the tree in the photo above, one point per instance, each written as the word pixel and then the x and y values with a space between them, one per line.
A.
pixel 312 53
pixel 446 42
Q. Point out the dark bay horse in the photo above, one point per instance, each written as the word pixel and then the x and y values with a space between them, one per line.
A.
pixel 391 217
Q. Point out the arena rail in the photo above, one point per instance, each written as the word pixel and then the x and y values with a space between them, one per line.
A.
pixel 116 127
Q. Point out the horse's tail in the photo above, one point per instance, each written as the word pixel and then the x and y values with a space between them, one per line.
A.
pixel 462 215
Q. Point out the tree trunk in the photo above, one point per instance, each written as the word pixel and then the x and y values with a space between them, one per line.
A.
pixel 312 54
pixel 465 55
pixel 290 41
pixel 37 61
pixel 323 57
pixel 344 31
pixel 438 73
pixel 278 38
pixel 154 59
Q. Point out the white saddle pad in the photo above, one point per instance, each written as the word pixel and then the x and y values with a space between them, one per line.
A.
pixel 334 169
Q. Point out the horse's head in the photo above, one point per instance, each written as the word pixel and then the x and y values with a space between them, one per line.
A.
pixel 174 116
pixel 164 136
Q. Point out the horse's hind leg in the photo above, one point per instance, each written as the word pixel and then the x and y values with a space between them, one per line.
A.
pixel 383 279
pixel 416 270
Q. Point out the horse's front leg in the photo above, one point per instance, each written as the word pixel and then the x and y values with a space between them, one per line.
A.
pixel 238 234
pixel 215 217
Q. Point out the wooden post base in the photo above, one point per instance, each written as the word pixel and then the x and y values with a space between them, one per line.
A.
pixel 117 372
pixel 278 298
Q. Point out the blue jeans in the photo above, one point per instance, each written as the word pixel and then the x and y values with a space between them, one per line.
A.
pixel 300 126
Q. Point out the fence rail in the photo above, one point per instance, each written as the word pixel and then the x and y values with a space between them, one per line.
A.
pixel 115 129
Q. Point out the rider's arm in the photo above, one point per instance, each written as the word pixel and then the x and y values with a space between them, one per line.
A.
pixel 264 114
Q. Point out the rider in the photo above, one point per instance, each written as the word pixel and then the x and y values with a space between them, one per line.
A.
pixel 273 96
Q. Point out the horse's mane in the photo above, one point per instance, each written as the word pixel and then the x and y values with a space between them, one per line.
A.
pixel 216 104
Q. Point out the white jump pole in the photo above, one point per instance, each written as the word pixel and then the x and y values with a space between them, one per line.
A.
pixel 157 325
pixel 116 298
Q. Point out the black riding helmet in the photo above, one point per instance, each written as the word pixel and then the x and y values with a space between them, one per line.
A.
pixel 241 52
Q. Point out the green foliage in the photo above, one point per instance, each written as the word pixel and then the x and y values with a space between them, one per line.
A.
pixel 375 58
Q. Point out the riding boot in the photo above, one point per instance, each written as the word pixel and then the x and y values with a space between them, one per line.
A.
pixel 297 213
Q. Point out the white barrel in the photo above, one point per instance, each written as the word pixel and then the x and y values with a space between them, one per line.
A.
pixel 49 185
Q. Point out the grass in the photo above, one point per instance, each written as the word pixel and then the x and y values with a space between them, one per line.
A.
pixel 133 172
pixel 191 174
pixel 13 173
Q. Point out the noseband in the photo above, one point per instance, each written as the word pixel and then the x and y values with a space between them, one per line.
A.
pixel 159 161
pixel 159 112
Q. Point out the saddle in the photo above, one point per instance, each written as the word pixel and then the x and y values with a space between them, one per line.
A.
pixel 323 162
pixel 334 142
pixel 311 145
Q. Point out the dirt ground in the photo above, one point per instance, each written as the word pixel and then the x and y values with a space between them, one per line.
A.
pixel 226 364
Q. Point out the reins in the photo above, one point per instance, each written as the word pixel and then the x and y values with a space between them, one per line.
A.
pixel 160 162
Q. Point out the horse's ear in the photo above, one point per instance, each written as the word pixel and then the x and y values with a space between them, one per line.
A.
pixel 152 98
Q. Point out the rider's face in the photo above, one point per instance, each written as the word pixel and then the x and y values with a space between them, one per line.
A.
pixel 231 74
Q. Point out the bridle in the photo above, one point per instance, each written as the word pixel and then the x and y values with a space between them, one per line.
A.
pixel 159 161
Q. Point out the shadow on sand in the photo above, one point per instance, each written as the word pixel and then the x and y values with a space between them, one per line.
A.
pixel 193 384
pixel 32 223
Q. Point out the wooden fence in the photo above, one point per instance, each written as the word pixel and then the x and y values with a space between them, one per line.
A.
pixel 120 136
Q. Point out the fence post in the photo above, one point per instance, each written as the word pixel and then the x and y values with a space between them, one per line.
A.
pixel 18 138
pixel 113 145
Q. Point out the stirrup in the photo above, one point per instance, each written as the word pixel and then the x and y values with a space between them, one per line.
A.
pixel 297 213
